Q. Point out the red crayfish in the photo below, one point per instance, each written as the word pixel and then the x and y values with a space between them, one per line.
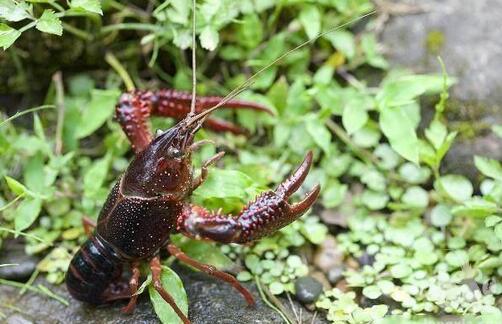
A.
pixel 149 202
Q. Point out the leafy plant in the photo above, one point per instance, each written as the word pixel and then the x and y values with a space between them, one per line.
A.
pixel 414 239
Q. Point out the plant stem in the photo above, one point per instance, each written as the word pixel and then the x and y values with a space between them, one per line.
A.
pixel 57 78
pixel 266 301
pixel 119 68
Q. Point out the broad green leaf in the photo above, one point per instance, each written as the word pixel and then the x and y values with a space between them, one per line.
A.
pixel 95 176
pixel 34 174
pixel 344 42
pixel 416 197
pixel 441 216
pixel 404 90
pixel 489 167
pixel 310 18
pixel 26 213
pixel 93 6
pixel 457 187
pixel 209 38
pixel 226 189
pixel 497 129
pixel 14 11
pixel 475 207
pixel 8 35
pixel 15 186
pixel 374 200
pixel 276 288
pixel 334 195
pixel 457 258
pixel 372 292
pixel 354 116
pixel 278 94
pixel 49 23
pixel 436 133
pixel 319 133
pixel 400 270
pixel 400 131
pixel 174 286
pixel 97 111
pixel 250 31
pixel 207 253
pixel 370 49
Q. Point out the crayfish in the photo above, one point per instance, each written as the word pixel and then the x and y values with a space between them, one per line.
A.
pixel 149 202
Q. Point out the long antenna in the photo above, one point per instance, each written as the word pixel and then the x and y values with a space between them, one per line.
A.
pixel 243 86
pixel 194 62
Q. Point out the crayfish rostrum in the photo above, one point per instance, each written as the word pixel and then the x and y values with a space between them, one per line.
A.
pixel 149 202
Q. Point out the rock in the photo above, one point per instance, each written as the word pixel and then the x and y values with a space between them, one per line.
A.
pixel 366 259
pixel 335 274
pixel 24 265
pixel 467 37
pixel 210 301
pixel 328 255
pixel 307 289
pixel 17 319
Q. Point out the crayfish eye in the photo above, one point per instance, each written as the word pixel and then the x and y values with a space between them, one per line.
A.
pixel 173 152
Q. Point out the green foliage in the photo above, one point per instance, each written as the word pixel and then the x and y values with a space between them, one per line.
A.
pixel 171 283
pixel 433 236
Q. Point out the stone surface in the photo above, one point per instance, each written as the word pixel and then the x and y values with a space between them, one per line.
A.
pixel 23 265
pixel 210 301
pixel 466 34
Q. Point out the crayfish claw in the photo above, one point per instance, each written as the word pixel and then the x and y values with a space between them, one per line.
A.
pixel 301 207
pixel 295 180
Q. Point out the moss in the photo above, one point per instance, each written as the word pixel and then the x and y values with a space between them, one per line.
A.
pixel 435 41
pixel 469 117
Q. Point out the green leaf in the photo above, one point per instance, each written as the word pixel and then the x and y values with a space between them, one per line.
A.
pixel 93 6
pixel 457 187
pixel 15 186
pixel 49 23
pixel 416 197
pixel 207 253
pixel 209 38
pixel 436 133
pixel 489 167
pixel 400 270
pixel 226 189
pixel 34 174
pixel 354 116
pixel 400 131
pixel 372 292
pixel 250 32
pixel 374 200
pixel 457 258
pixel 26 213
pixel 8 35
pixel 310 18
pixel 173 285
pixel 99 109
pixel 334 195
pixel 497 129
pixel 373 57
pixel 95 176
pixel 276 288
pixel 319 133
pixel 343 41
pixel 475 207
pixel 14 11
pixel 405 89
pixel 491 221
pixel 441 216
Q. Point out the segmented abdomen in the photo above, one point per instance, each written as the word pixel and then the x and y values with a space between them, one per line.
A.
pixel 93 271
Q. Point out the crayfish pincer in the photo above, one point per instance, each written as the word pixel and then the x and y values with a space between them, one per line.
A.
pixel 149 202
